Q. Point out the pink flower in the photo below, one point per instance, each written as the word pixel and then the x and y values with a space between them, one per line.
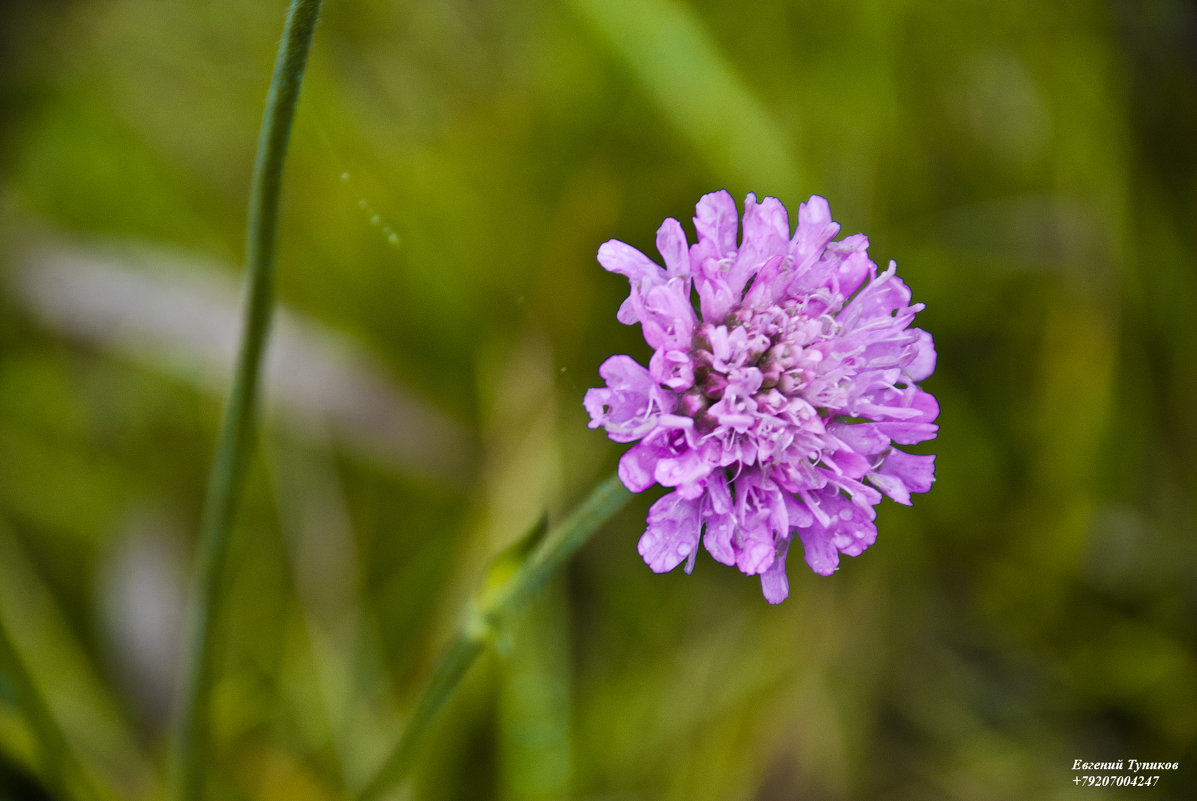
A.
pixel 771 411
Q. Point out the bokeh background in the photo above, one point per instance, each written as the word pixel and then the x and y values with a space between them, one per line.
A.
pixel 1031 166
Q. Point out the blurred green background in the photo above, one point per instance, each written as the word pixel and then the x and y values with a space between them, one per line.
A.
pixel 1031 166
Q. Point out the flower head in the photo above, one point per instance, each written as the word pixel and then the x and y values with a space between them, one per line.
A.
pixel 774 409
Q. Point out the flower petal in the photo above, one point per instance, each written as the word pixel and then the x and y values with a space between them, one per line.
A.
pixel 672 245
pixel 775 586
pixel 668 318
pixel 620 257
pixel 636 467
pixel 904 473
pixel 763 246
pixel 629 406
pixel 672 533
pixel 815 229
pixel 673 368
pixel 766 236
pixel 923 363
pixel 717 222
pixel 720 527
pixel 821 556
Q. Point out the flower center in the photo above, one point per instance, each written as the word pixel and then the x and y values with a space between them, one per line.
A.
pixel 754 364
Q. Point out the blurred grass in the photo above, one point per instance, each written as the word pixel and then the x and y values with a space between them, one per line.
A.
pixel 1031 167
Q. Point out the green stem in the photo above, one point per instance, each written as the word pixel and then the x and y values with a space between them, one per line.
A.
pixel 484 617
pixel 232 450
pixel 61 768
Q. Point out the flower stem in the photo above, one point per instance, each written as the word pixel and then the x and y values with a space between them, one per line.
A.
pixel 63 772
pixel 484 617
pixel 237 428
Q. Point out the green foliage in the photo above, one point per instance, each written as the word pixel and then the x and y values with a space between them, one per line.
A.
pixel 1030 166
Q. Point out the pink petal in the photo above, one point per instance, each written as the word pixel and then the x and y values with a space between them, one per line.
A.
pixel 672 533
pixel 672 245
pixel 717 222
pixel 775 586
